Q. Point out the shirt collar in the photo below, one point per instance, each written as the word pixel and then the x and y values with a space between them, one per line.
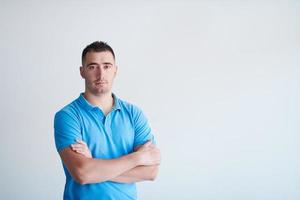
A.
pixel 117 105
pixel 88 106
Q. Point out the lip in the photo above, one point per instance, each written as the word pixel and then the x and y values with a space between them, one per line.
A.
pixel 100 83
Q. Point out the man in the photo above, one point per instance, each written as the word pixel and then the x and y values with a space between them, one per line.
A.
pixel 105 143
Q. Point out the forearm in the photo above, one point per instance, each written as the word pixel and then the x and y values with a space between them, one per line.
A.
pixel 140 173
pixel 99 170
pixel 88 170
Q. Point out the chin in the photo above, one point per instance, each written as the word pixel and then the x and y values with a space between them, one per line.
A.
pixel 100 91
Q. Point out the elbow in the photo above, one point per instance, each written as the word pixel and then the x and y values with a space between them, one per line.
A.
pixel 81 180
pixel 84 175
pixel 152 178
pixel 80 176
pixel 153 174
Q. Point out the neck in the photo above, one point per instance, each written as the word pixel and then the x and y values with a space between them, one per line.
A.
pixel 104 101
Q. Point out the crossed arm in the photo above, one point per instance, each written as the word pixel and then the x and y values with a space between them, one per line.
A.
pixel 139 173
pixel 138 166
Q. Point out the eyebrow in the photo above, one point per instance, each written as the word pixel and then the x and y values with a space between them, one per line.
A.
pixel 92 64
pixel 106 63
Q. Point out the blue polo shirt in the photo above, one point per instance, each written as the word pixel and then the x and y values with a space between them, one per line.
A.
pixel 107 137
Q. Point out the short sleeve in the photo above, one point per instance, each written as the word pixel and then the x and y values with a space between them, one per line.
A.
pixel 143 132
pixel 66 129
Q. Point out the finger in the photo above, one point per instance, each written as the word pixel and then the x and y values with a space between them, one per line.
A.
pixel 79 145
pixel 80 151
pixel 137 148
pixel 77 149
pixel 80 141
pixel 148 143
pixel 150 146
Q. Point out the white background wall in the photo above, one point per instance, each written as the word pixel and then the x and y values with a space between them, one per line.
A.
pixel 219 82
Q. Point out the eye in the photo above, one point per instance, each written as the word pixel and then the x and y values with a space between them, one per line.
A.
pixel 107 66
pixel 91 67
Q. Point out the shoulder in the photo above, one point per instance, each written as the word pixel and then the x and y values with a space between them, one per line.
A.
pixel 129 107
pixel 135 113
pixel 68 111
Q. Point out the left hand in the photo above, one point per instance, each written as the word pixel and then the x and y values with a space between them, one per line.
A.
pixel 81 148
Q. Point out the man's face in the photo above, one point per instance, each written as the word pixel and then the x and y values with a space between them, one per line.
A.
pixel 99 71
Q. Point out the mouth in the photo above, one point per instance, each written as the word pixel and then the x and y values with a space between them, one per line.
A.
pixel 100 82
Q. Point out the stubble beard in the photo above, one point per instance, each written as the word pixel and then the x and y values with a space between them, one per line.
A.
pixel 99 90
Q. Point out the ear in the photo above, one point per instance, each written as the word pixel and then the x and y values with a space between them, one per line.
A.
pixel 116 71
pixel 81 71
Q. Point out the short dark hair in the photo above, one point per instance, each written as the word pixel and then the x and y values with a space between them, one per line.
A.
pixel 97 46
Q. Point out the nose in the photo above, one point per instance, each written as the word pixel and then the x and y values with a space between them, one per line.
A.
pixel 99 73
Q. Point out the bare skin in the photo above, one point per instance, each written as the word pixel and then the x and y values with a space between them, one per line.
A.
pixel 99 71
pixel 138 174
pixel 82 148
pixel 137 166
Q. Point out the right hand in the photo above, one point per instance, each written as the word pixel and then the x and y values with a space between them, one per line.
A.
pixel 149 154
pixel 81 148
